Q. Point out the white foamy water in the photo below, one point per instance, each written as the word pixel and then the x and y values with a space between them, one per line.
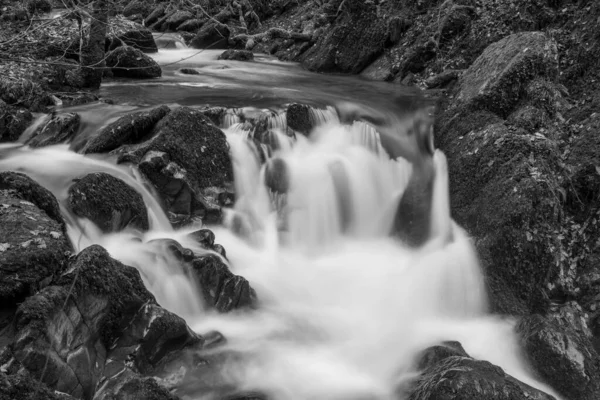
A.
pixel 344 308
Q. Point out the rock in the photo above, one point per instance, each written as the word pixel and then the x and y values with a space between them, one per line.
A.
pixel 22 387
pixel 65 331
pixel 192 142
pixel 13 122
pixel 584 160
pixel 498 77
pixel 191 25
pixel 176 19
pixel 238 55
pixel 130 386
pixel 562 355
pixel 132 63
pixel 433 355
pixel 380 69
pixel 157 13
pixel 529 118
pixel 139 38
pixel 463 378
pixel 221 289
pixel 143 8
pixel 25 93
pixel 34 247
pixel 205 237
pixel 351 44
pixel 442 79
pixel 189 71
pixel 108 202
pixel 211 36
pixel 129 129
pixel 456 21
pixel 299 118
pixel 58 129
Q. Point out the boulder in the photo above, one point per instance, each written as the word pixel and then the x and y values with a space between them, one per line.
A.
pixel 221 289
pixel 562 354
pixel 463 378
pixel 189 71
pixel 299 118
pixel 108 202
pixel 130 62
pixel 191 25
pixel 65 331
pixel 498 77
pixel 238 55
pixel 13 122
pixel 212 35
pixel 187 158
pixel 157 13
pixel 34 247
pixel 433 355
pixel 130 386
pixel 584 160
pixel 58 129
pixel 176 19
pixel 139 38
pixel 129 129
pixel 354 42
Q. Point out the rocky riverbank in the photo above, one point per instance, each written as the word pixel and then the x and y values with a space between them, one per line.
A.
pixel 517 116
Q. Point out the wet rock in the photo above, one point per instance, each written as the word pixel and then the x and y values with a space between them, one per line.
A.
pixel 205 237
pixel 193 142
pixel 176 19
pixel 459 377
pixel 456 21
pixel 25 93
pixel 129 129
pixel 191 25
pixel 561 354
pixel 108 202
pixel 211 36
pixel 498 77
pixel 131 386
pixel 435 354
pixel 64 332
pixel 299 118
pixel 238 55
pixel 130 62
pixel 33 243
pixel 220 287
pixel 77 99
pixel 189 71
pixel 380 69
pixel 58 129
pixel 352 44
pixel 13 122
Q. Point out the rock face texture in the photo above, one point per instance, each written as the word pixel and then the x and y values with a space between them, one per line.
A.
pixel 130 62
pixel 13 122
pixel 108 202
pixel 58 129
pixel 129 129
pixel 33 243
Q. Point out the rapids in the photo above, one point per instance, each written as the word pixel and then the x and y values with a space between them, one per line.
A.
pixel 344 307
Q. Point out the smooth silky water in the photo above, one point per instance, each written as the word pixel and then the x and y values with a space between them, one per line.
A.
pixel 344 307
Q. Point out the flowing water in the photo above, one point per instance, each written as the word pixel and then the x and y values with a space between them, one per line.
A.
pixel 345 308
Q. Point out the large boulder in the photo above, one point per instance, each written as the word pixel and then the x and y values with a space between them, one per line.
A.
pixel 34 247
pixel 138 7
pixel 354 42
pixel 129 129
pixel 211 36
pixel 499 76
pixel 187 157
pixel 191 25
pixel 176 19
pixel 58 129
pixel 129 62
pixel 108 202
pixel 65 331
pixel 138 37
pixel 13 122
pixel 560 351
pixel 21 386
